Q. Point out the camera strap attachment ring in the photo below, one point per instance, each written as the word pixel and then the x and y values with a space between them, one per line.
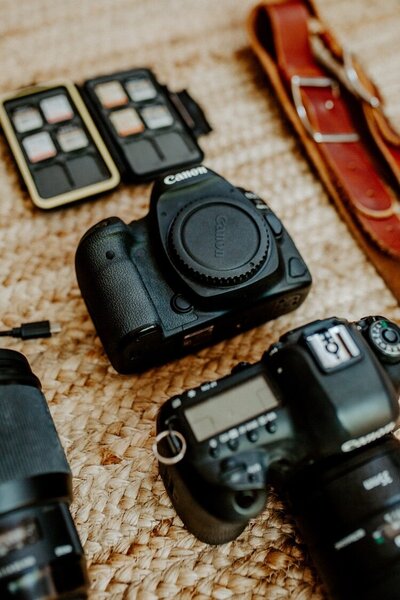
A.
pixel 169 460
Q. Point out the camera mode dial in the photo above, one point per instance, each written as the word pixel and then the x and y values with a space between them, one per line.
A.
pixel 385 336
pixel 219 241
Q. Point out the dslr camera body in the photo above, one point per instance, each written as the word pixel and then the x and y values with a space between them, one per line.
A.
pixel 208 261
pixel 313 418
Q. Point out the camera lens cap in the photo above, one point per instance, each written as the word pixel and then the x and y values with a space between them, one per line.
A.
pixel 219 241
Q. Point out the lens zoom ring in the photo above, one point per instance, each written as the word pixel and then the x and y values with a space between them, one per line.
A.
pixel 29 444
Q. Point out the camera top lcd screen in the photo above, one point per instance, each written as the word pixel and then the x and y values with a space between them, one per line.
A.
pixel 232 407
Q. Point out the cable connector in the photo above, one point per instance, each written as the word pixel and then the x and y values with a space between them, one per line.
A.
pixel 30 331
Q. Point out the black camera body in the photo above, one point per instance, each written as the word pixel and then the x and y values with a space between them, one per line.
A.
pixel 208 261
pixel 312 418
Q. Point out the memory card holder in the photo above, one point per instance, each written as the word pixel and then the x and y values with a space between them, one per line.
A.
pixel 57 147
pixel 148 130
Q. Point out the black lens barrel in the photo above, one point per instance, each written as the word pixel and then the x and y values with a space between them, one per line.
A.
pixel 41 556
pixel 14 368
pixel 349 514
pixel 29 444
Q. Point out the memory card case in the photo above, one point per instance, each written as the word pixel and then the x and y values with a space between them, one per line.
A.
pixel 60 154
pixel 148 129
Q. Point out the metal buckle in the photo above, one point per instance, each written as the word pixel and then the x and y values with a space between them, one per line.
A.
pixel 345 72
pixel 297 83
pixel 355 84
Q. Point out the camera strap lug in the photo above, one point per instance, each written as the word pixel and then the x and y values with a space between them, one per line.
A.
pixel 170 433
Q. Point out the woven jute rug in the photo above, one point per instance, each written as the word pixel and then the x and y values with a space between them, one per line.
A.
pixel 135 544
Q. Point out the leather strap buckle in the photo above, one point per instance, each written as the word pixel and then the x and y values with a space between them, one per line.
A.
pixel 319 137
pixel 344 71
pixel 352 77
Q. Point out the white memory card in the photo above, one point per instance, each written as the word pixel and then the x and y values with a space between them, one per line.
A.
pixel 27 118
pixel 57 108
pixel 72 137
pixel 157 116
pixel 141 89
pixel 111 94
pixel 39 146
pixel 126 122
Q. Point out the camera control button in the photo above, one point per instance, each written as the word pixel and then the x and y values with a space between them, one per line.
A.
pixel 234 475
pixel 275 224
pixel 390 336
pixel 233 444
pixel 296 267
pixel 180 304
pixel 213 451
pixel 228 464
pixel 213 448
pixel 271 427
pixel 252 435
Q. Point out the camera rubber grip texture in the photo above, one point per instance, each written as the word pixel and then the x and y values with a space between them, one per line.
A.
pixel 112 288
pixel 29 444
pixel 206 527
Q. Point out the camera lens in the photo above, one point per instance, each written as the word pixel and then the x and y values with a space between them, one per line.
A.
pixel 349 513
pixel 41 557
pixel 219 241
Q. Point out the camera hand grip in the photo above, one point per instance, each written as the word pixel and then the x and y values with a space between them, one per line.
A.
pixel 200 522
pixel 112 288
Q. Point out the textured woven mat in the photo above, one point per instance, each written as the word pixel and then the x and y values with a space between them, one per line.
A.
pixel 135 545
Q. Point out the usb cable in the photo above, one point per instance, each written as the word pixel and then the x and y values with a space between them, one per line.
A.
pixel 30 331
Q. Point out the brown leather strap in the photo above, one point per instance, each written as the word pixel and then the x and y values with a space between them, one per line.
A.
pixel 331 124
pixel 384 135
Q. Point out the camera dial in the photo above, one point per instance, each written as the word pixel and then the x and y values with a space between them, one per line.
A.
pixel 385 337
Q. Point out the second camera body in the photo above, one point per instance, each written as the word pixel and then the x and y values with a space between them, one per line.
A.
pixel 208 261
pixel 313 418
